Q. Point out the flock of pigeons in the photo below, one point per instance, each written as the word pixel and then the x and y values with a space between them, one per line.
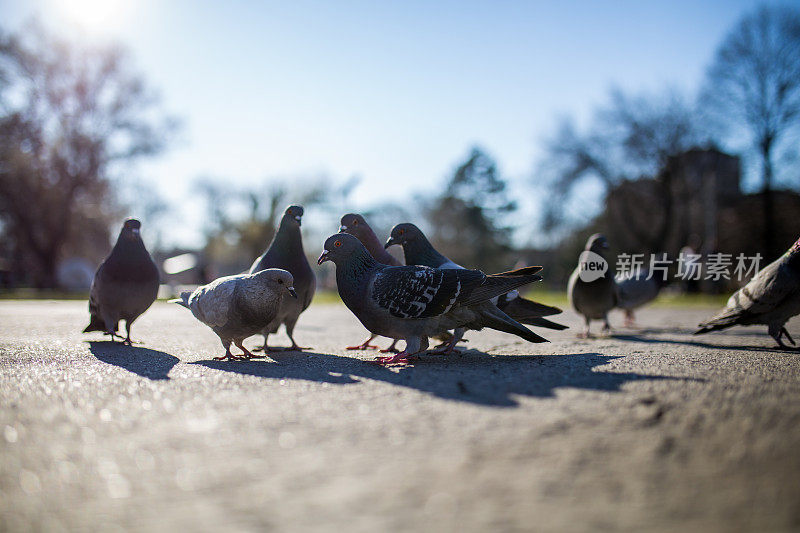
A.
pixel 428 297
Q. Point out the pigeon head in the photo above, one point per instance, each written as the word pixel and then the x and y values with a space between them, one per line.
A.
pixel 354 224
pixel 293 214
pixel 597 243
pixel 339 247
pixel 404 233
pixel 130 229
pixel 279 279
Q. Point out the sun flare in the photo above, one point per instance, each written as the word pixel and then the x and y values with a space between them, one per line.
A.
pixel 94 15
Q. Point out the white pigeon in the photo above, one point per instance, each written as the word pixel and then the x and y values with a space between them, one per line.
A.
pixel 237 307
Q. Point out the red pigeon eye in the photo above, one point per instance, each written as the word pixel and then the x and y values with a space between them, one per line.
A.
pixel 355 222
pixel 337 243
pixel 401 232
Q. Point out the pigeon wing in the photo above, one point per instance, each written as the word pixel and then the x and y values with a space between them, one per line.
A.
pixel 421 292
pixel 211 303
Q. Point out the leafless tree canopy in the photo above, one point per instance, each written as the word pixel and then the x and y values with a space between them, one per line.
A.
pixel 70 116
pixel 753 86
pixel 630 137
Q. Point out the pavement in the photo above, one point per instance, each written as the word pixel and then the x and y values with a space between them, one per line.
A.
pixel 652 429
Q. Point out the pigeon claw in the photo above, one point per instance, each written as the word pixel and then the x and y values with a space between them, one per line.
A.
pixel 400 358
pixel 364 346
pixel 231 357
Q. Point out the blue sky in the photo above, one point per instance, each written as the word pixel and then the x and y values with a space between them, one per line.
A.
pixel 394 92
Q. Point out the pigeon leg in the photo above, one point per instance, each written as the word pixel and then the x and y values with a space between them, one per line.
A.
pixel 391 348
pixel 606 331
pixel 450 347
pixel 228 355
pixel 585 333
pixel 247 354
pixel 786 333
pixel 114 336
pixel 414 346
pixel 630 319
pixel 128 340
pixel 267 348
pixel 365 345
pixel 778 337
pixel 290 333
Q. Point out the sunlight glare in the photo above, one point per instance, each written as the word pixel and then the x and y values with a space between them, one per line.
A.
pixel 94 15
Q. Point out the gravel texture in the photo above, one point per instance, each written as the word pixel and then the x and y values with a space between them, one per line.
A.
pixel 652 429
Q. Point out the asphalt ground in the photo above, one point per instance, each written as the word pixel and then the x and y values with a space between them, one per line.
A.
pixel 652 429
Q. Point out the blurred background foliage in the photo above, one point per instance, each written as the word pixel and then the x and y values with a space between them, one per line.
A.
pixel 76 119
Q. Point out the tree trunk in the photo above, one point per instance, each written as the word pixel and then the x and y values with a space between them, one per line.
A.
pixel 770 253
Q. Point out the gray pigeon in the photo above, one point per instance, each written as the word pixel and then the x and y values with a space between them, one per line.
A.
pixel 595 298
pixel 286 252
pixel 124 286
pixel 357 226
pixel 237 307
pixel 772 297
pixel 635 290
pixel 416 302
pixel 419 251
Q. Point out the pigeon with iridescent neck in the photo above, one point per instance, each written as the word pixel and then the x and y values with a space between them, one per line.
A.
pixel 416 302
pixel 357 226
pixel 418 250
pixel 286 252
pixel 124 286
pixel 772 297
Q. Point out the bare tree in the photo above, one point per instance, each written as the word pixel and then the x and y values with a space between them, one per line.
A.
pixel 754 84
pixel 632 136
pixel 71 117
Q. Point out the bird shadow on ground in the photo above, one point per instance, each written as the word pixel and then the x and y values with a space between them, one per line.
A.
pixel 472 377
pixel 701 344
pixel 145 362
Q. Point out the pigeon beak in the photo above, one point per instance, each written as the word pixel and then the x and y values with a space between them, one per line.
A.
pixel 390 242
pixel 135 231
pixel 342 229
pixel 323 257
pixel 299 222
pixel 292 291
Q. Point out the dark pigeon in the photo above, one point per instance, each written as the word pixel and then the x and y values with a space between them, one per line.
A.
pixel 124 286
pixel 416 302
pixel 286 252
pixel 237 307
pixel 419 251
pixel 357 226
pixel 593 299
pixel 772 297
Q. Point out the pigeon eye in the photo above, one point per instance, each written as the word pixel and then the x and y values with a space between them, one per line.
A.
pixel 337 243
pixel 280 281
pixel 401 232
pixel 355 222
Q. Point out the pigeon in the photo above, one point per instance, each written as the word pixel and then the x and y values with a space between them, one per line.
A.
pixel 595 298
pixel 355 225
pixel 237 307
pixel 124 286
pixel 416 302
pixel 419 251
pixel 635 290
pixel 772 297
pixel 286 252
